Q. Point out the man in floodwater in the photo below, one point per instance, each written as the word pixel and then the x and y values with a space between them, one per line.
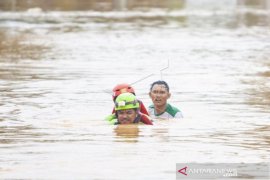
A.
pixel 160 93
pixel 123 88
pixel 127 111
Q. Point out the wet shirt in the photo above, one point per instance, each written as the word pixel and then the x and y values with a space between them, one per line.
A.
pixel 170 112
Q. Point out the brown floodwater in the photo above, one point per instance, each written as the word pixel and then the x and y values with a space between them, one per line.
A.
pixel 60 59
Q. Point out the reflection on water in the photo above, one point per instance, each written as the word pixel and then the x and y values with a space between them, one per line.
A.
pixel 56 64
pixel 128 133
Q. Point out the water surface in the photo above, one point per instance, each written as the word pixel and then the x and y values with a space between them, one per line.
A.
pixel 58 67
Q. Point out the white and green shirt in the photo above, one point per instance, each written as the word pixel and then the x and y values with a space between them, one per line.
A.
pixel 170 112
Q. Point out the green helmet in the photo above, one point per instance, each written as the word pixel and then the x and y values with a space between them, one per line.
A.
pixel 126 101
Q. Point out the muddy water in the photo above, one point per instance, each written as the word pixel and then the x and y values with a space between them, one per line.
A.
pixel 58 67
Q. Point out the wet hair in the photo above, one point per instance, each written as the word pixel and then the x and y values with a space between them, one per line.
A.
pixel 160 82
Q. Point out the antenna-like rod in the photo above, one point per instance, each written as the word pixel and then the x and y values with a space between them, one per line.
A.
pixel 142 79
pixel 168 65
pixel 164 69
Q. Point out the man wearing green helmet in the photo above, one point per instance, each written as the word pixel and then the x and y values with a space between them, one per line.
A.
pixel 127 111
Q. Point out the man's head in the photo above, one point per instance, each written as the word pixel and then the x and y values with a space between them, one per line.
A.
pixel 159 93
pixel 126 107
pixel 122 88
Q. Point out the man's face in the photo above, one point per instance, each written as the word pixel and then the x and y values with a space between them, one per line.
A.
pixel 126 116
pixel 159 95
